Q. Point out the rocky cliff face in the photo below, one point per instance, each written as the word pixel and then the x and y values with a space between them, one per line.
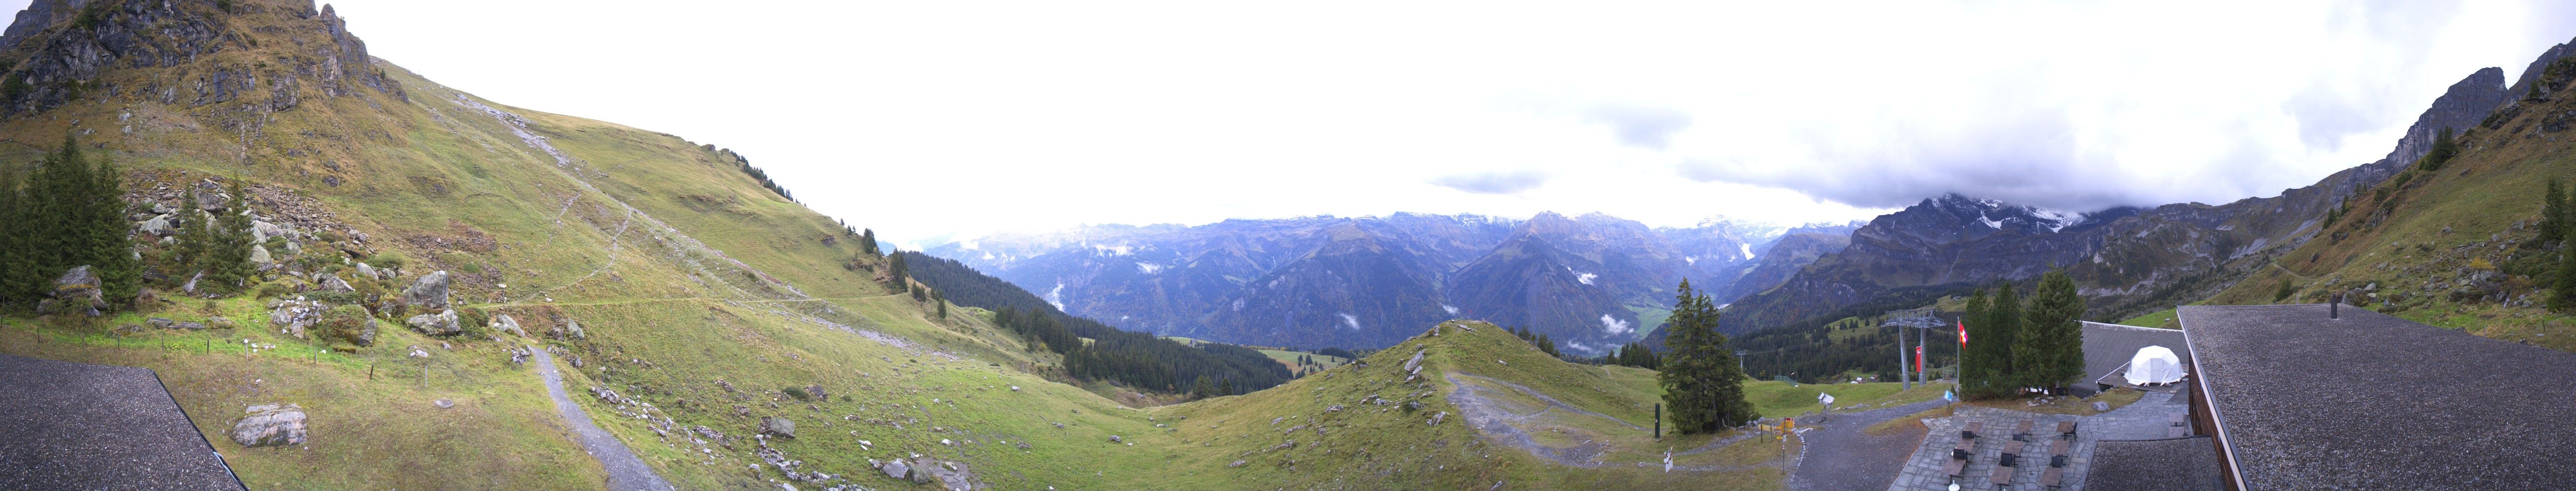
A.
pixel 63 52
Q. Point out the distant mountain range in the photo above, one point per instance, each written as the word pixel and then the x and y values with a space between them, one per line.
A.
pixel 1590 281
pixel 1594 281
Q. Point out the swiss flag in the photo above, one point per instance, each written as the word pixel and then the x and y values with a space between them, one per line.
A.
pixel 1963 334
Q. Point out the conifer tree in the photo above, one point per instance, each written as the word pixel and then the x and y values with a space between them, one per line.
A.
pixel 190 242
pixel 227 260
pixel 2003 372
pixel 19 280
pixel 2050 349
pixel 74 215
pixel 2441 153
pixel 941 301
pixel 1703 387
pixel 2562 294
pixel 1975 364
pixel 868 241
pixel 2553 213
pixel 896 268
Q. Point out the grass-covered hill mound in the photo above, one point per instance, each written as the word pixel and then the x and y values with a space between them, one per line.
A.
pixel 2454 241
pixel 1485 407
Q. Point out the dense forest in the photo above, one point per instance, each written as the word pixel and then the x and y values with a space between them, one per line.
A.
pixel 1140 360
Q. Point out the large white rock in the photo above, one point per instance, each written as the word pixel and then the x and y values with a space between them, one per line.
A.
pixel 270 424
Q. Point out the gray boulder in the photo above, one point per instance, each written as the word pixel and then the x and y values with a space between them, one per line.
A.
pixel 269 425
pixel 158 226
pixel 506 324
pixel 260 231
pixel 368 271
pixel 776 426
pixel 895 469
pixel 442 323
pixel 260 257
pixel 2101 406
pixel 159 323
pixel 430 292
pixel 213 201
pixel 335 284
pixel 192 326
pixel 76 292
pixel 219 323
pixel 573 328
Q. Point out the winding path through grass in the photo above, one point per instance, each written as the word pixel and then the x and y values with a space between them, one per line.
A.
pixel 625 471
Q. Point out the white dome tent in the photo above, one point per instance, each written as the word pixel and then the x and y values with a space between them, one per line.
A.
pixel 2154 365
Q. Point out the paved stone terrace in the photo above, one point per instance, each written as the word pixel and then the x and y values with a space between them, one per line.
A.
pixel 2144 420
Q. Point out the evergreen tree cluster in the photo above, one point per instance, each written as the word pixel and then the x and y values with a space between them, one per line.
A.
pixel 1841 340
pixel 1634 355
pixel 1703 387
pixel 2557 224
pixel 2443 149
pixel 66 212
pixel 744 163
pixel 1140 360
pixel 1536 340
pixel 2013 344
pixel 1332 351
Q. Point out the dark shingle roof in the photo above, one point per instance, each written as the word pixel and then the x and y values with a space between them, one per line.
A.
pixel 2107 347
pixel 82 426
pixel 2179 464
pixel 2371 401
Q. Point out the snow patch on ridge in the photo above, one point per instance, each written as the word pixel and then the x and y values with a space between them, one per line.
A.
pixel 1748 251
pixel 1056 296
pixel 1447 307
pixel 1352 321
pixel 1585 278
pixel 1614 326
pixel 1148 268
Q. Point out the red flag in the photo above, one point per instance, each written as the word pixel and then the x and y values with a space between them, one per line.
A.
pixel 1918 358
pixel 1963 334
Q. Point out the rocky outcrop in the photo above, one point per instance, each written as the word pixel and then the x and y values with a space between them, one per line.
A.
pixel 71 43
pixel 270 425
pixel 442 323
pixel 429 292
pixel 39 15
pixel 75 292
pixel 295 316
pixel 505 323
pixel 776 426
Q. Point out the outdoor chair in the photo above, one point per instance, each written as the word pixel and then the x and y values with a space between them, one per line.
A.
pixel 1971 430
pixel 1955 468
pixel 2059 447
pixel 2066 428
pixel 1964 450
pixel 2052 478
pixel 2001 476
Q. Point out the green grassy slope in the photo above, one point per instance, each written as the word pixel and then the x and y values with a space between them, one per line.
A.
pixel 704 298
pixel 2453 247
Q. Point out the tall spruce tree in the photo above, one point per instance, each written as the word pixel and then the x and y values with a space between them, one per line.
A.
pixel 2553 213
pixel 1973 360
pixel 2003 372
pixel 2050 350
pixel 868 241
pixel 227 259
pixel 895 268
pixel 2562 293
pixel 191 241
pixel 1703 387
pixel 20 282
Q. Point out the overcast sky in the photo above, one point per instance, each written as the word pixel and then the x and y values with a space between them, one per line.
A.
pixel 938 119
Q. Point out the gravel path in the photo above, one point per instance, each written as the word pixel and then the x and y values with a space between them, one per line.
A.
pixel 625 472
pixel 1841 455
pixel 1489 417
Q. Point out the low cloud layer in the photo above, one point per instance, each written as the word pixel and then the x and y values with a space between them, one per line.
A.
pixel 1504 182
pixel 1663 113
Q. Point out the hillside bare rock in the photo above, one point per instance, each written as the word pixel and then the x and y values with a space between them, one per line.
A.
pixel 442 323
pixel 270 425
pixel 36 17
pixel 369 272
pixel 429 292
pixel 335 284
pixel 158 226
